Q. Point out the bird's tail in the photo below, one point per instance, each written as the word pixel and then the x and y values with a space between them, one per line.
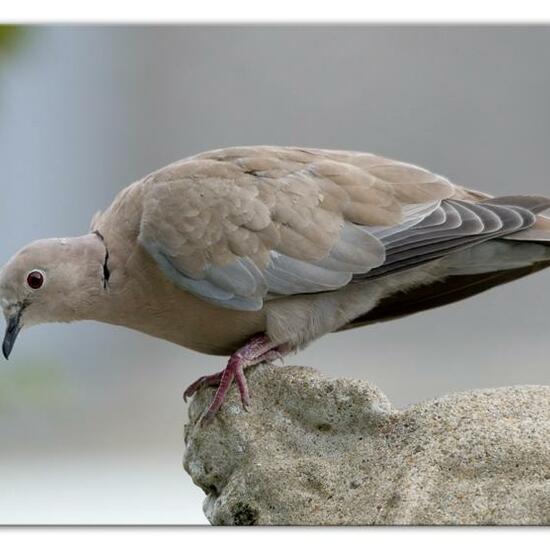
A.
pixel 477 269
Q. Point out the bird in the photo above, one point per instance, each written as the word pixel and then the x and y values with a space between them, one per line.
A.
pixel 255 252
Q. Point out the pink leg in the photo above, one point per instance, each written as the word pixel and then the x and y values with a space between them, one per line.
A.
pixel 257 350
pixel 215 379
pixel 242 386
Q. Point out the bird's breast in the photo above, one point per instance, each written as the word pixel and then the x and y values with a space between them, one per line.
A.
pixel 141 298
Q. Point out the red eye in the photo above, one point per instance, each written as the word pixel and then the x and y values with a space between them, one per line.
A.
pixel 35 280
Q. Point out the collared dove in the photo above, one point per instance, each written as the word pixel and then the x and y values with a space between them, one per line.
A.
pixel 254 252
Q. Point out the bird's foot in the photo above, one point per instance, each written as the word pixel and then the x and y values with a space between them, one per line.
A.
pixel 215 379
pixel 210 380
pixel 257 350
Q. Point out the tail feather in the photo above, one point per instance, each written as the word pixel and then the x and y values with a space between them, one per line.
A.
pixel 533 203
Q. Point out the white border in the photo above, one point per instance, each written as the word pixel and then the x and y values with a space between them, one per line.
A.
pixel 233 11
pixel 241 538
pixel 282 11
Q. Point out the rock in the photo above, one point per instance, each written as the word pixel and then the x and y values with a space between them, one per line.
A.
pixel 316 451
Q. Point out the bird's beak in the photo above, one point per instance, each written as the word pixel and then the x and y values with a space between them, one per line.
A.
pixel 12 330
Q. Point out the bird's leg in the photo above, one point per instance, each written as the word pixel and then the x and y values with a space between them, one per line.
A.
pixel 250 350
pixel 215 379
pixel 252 353
pixel 256 350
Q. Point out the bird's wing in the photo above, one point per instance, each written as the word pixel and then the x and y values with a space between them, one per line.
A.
pixel 236 225
pixel 465 224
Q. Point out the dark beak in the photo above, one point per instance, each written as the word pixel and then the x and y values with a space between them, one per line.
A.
pixel 12 330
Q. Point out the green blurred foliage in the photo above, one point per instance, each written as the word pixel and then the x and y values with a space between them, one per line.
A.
pixel 11 36
pixel 34 384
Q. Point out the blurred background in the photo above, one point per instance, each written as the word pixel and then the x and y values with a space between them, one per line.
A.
pixel 91 416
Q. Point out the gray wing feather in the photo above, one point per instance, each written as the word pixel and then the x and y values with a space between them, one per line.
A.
pixel 413 215
pixel 218 286
pixel 241 278
pixel 429 231
pixel 436 218
pixel 356 248
pixel 452 223
pixel 465 222
pixel 287 275
pixel 242 285
pixel 477 225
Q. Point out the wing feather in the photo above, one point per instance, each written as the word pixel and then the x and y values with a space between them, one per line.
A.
pixel 234 226
pixel 465 235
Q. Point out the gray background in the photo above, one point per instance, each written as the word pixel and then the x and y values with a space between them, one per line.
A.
pixel 91 416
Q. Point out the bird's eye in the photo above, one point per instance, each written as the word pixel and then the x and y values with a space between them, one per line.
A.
pixel 35 279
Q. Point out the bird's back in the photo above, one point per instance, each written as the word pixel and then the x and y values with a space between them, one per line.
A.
pixel 241 228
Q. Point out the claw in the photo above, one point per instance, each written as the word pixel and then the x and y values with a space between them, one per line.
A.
pixel 257 350
pixel 210 380
pixel 206 418
pixel 277 357
pixel 192 389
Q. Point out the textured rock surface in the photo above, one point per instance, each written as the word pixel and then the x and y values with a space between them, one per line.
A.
pixel 317 451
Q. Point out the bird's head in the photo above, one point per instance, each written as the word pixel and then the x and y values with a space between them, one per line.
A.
pixel 52 280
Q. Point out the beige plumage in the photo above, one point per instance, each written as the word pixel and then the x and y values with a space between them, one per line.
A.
pixel 275 247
